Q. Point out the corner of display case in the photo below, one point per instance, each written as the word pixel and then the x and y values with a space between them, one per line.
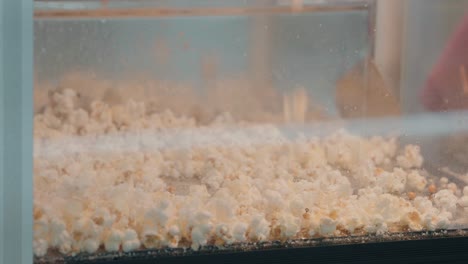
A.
pixel 16 97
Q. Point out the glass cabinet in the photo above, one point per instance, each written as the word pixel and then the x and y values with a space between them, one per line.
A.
pixel 182 128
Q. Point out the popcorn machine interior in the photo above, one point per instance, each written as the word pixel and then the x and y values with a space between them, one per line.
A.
pixel 166 129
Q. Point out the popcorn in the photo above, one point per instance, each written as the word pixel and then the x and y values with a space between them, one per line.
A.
pixel 58 231
pixel 416 182
pixel 274 200
pixel 151 238
pixel 174 236
pixel 79 118
pixel 101 112
pixel 114 240
pixel 63 241
pixel 327 226
pixel 445 201
pixel 423 205
pixel 40 247
pixel 443 220
pixel 90 245
pixel 224 233
pixel 352 223
pixel 200 235
pixel 130 241
pixel 391 208
pixel 376 225
pixel 213 179
pixel 463 201
pixel 443 182
pixel 259 229
pixel 41 228
pixel 161 214
pixel 296 206
pixel 289 226
pixel 392 182
pixel 453 187
pixel 411 158
pixel 102 217
pixel 155 179
pixel 239 232
pixel 64 101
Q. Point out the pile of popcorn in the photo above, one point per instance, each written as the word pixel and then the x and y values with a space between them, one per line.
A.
pixel 121 178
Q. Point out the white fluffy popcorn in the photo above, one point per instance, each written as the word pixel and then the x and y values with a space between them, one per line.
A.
pixel 377 224
pixel 416 182
pixel 393 182
pixel 130 241
pixel 239 231
pixel 40 247
pixel 463 201
pixel 411 157
pixel 465 191
pixel 90 245
pixel 259 229
pixel 114 240
pixel 124 178
pixel 224 233
pixel 152 238
pixel 174 236
pixel 327 226
pixel 424 205
pixel 200 235
pixel 445 200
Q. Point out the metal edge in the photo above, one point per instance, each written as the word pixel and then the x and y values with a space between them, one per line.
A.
pixel 125 8
pixel 165 12
pixel 325 244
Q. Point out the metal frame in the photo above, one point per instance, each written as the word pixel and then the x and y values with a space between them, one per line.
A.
pixel 410 247
pixel 16 126
pixel 147 8
pixel 1 137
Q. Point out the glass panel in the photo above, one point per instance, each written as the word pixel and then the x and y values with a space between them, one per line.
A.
pixel 433 81
pixel 230 124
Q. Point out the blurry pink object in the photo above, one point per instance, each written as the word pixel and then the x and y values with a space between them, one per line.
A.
pixel 447 85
